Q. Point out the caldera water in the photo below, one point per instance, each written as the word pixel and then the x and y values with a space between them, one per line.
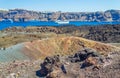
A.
pixel 4 25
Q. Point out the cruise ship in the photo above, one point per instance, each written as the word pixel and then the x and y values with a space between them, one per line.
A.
pixel 62 22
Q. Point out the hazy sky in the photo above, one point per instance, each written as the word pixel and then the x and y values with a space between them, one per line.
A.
pixel 61 5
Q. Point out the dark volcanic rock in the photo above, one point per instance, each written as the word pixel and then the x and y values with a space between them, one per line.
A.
pixel 57 67
pixel 48 65
pixel 83 55
pixel 102 33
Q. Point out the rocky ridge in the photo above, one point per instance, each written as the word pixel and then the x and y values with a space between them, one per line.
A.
pixel 26 15
pixel 40 49
pixel 102 33
pixel 64 46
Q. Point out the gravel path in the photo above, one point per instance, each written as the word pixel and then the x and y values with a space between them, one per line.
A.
pixel 12 53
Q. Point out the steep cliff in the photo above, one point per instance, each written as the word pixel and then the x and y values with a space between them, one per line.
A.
pixel 25 15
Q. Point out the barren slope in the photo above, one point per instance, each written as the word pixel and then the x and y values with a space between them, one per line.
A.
pixel 39 49
pixel 64 46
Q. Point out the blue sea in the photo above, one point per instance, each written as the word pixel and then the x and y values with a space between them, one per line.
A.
pixel 4 25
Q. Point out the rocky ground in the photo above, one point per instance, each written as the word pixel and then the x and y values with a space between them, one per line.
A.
pixel 60 52
pixel 86 63
pixel 19 69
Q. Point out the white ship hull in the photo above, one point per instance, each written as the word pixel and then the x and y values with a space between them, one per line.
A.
pixel 62 22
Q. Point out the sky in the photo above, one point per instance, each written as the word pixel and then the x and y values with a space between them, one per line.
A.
pixel 61 5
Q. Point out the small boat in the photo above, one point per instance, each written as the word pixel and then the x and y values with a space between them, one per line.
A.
pixel 7 21
pixel 62 22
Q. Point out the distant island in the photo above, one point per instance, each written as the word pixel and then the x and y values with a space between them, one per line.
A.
pixel 21 15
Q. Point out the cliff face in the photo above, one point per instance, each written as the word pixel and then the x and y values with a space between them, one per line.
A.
pixel 25 15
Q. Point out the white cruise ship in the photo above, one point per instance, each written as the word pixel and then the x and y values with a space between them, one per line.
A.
pixel 62 22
